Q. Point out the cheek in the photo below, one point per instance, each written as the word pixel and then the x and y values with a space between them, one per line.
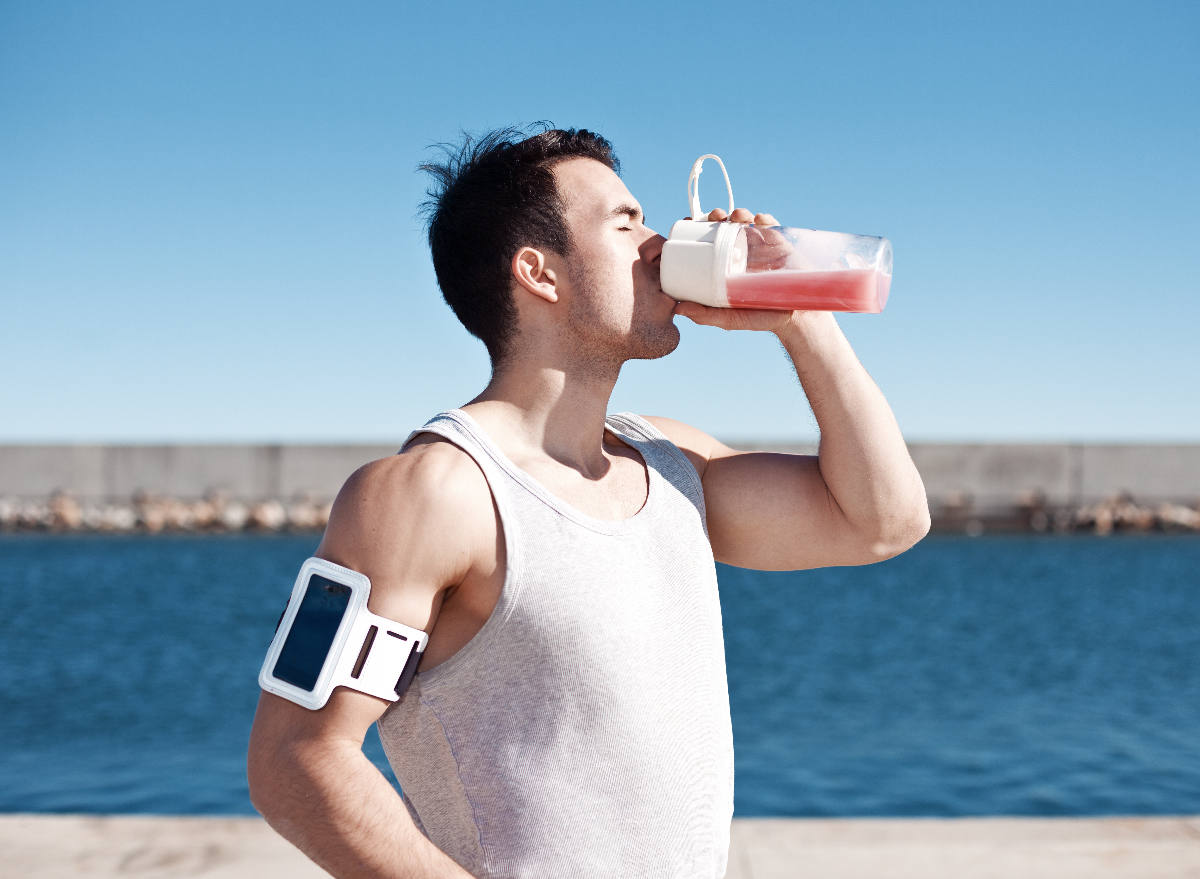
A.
pixel 615 255
pixel 607 273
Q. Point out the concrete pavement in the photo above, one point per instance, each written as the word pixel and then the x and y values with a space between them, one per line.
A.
pixel 98 847
pixel 966 848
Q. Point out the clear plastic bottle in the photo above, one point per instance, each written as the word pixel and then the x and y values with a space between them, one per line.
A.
pixel 736 265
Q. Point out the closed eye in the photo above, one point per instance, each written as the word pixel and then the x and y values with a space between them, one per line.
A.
pixel 631 212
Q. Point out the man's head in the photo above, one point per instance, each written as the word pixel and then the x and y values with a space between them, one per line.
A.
pixel 499 197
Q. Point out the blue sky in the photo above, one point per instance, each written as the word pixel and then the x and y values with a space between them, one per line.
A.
pixel 209 231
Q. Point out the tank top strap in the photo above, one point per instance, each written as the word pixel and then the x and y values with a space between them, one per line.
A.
pixel 661 455
pixel 514 489
pixel 461 430
pixel 464 432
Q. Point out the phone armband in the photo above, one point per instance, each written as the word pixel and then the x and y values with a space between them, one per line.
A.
pixel 327 638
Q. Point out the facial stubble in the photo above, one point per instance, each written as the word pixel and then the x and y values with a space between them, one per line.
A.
pixel 601 344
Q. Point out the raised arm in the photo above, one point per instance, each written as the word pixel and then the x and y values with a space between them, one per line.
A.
pixel 423 528
pixel 859 501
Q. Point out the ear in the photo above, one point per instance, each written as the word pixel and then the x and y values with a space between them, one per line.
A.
pixel 530 270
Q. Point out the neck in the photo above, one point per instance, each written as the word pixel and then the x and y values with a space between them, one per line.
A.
pixel 556 408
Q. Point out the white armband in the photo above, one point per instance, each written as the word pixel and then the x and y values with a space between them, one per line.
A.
pixel 327 638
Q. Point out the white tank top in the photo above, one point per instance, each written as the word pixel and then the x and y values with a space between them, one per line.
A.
pixel 584 731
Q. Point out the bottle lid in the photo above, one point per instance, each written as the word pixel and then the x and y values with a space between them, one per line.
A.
pixel 698 254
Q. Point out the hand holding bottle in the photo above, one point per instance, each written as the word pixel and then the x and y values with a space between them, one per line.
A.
pixel 769 249
pixel 763 265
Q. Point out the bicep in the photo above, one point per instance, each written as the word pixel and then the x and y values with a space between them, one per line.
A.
pixel 774 512
pixel 767 511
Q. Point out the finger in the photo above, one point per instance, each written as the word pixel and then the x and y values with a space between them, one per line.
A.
pixel 694 312
pixel 741 215
pixel 702 314
pixel 733 318
pixel 716 215
pixel 699 314
pixel 765 220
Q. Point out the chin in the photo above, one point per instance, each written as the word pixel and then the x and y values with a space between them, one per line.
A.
pixel 659 343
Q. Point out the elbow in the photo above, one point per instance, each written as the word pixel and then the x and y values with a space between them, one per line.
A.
pixel 900 533
pixel 919 523
pixel 278 795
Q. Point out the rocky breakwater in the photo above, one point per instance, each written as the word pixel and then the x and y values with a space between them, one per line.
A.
pixel 1031 513
pixel 152 514
pixel 216 512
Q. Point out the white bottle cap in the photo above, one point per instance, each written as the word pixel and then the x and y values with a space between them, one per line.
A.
pixel 698 254
pixel 696 258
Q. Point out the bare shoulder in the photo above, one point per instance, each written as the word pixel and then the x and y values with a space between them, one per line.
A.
pixel 415 523
pixel 431 481
pixel 693 442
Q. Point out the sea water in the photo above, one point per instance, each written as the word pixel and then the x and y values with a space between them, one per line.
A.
pixel 996 675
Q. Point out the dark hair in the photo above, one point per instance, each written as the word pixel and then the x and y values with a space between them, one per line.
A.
pixel 491 196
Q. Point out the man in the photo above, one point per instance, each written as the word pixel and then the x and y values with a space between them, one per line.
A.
pixel 570 716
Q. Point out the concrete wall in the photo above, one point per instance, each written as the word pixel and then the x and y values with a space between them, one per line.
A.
pixel 995 476
pixel 990 476
pixel 111 473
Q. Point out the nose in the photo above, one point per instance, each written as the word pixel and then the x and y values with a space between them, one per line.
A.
pixel 651 249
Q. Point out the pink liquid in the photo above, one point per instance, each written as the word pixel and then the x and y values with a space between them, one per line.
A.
pixel 863 290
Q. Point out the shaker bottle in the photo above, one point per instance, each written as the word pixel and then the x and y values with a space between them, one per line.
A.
pixel 737 265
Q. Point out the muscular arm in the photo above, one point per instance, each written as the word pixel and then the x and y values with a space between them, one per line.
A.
pixel 423 528
pixel 859 501
pixel 313 784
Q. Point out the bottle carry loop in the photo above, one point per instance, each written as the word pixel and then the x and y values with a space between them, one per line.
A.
pixel 694 187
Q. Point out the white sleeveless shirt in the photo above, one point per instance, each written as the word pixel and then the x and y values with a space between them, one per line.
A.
pixel 584 731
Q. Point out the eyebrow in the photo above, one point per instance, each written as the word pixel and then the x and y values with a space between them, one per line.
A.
pixel 626 210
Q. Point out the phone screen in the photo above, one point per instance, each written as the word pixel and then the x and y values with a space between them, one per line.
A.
pixel 312 633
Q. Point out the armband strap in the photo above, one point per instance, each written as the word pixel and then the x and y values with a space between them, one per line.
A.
pixel 380 656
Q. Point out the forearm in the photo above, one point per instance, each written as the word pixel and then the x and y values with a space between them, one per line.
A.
pixel 863 458
pixel 336 807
